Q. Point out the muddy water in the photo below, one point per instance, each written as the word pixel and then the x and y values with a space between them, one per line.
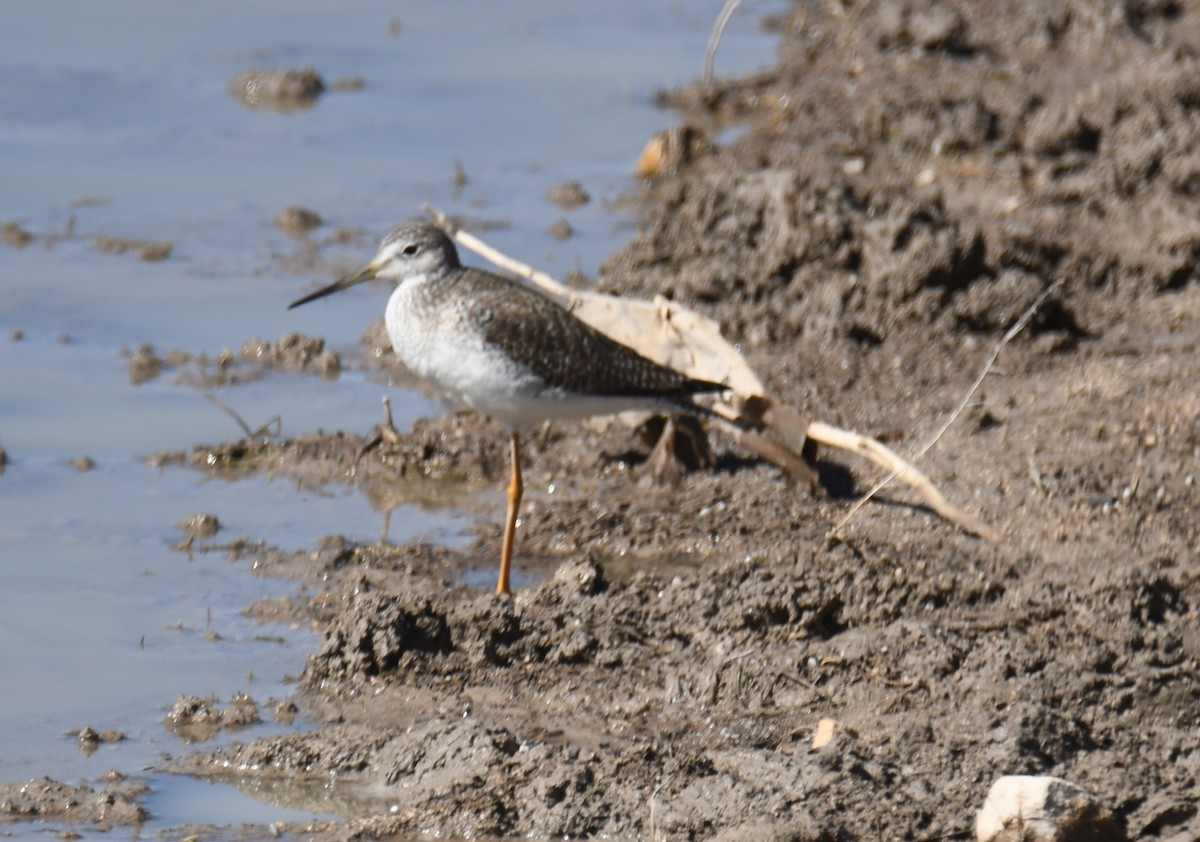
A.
pixel 115 120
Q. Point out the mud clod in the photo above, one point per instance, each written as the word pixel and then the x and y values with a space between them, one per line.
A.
pixel 297 221
pixel 569 195
pixel 375 637
pixel 200 525
pixel 151 251
pixel 278 90
pixel 196 720
pixel 48 800
pixel 12 234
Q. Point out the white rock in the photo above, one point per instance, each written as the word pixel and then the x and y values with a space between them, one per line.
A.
pixel 1037 809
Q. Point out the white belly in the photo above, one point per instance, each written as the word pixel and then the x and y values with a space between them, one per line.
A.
pixel 453 357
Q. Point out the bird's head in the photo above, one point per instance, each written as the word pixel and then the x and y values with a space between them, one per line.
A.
pixel 414 249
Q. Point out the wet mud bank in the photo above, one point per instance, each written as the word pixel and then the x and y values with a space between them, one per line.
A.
pixel 913 176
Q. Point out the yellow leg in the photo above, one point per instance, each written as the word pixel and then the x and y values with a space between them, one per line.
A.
pixel 515 489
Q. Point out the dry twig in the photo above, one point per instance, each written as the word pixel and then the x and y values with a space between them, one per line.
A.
pixel 1009 335
pixel 881 455
pixel 715 38
pixel 273 427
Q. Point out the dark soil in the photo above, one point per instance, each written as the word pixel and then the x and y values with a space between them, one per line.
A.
pixel 914 174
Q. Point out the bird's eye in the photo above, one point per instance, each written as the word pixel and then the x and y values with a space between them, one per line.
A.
pixel 411 249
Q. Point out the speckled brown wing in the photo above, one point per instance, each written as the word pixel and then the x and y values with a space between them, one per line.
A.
pixel 563 352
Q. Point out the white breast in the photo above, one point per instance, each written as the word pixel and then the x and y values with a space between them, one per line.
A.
pixel 449 353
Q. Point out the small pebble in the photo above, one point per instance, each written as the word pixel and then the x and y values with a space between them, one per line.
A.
pixel 1039 808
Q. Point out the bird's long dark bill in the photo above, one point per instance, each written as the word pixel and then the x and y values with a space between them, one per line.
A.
pixel 367 273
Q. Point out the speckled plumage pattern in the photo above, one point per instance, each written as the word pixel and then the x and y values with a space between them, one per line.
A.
pixel 508 350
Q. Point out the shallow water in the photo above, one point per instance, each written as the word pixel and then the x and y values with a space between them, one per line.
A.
pixel 124 105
